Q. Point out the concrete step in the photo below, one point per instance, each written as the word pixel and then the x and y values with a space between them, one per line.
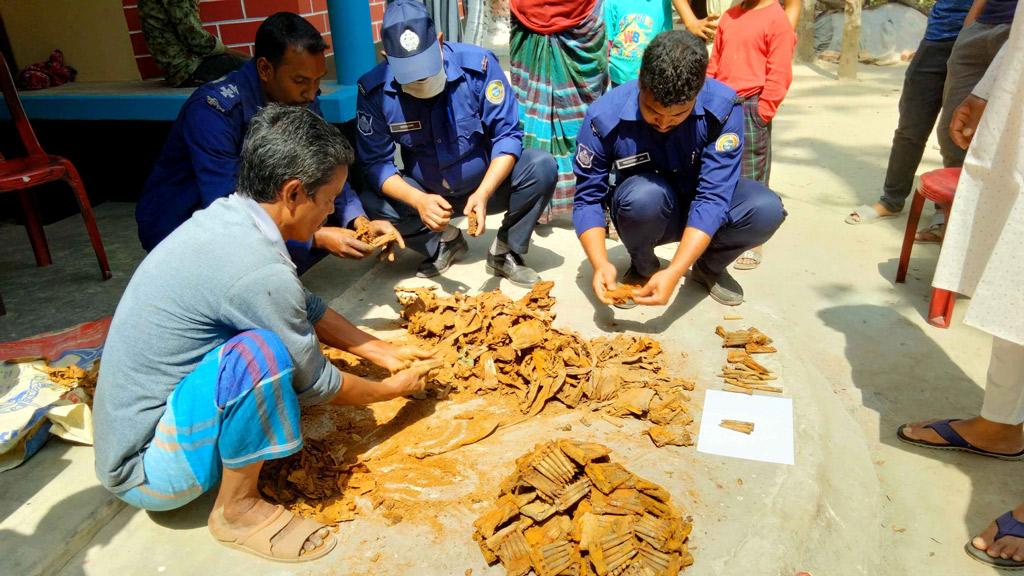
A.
pixel 51 506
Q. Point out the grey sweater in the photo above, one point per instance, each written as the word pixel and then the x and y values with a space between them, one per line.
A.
pixel 224 271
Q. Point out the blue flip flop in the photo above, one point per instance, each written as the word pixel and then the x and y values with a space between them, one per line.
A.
pixel 954 441
pixel 1007 526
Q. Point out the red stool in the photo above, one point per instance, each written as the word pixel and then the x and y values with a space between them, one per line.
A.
pixel 939 186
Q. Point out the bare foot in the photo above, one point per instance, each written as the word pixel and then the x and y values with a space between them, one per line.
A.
pixel 1007 547
pixel 880 209
pixel 984 434
pixel 243 515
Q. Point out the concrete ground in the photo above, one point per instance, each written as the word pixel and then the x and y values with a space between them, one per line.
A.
pixel 855 355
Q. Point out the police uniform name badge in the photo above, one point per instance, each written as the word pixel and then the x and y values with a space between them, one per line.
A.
pixel 399 127
pixel 495 92
pixel 631 161
pixel 364 122
pixel 727 142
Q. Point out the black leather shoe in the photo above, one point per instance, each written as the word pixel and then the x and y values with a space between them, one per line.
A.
pixel 511 267
pixel 636 279
pixel 724 289
pixel 447 254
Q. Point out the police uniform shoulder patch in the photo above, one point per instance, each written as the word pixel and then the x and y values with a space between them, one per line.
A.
pixel 727 142
pixel 584 156
pixel 495 92
pixel 373 79
pixel 364 122
pixel 214 103
pixel 718 99
pixel 228 91
pixel 469 57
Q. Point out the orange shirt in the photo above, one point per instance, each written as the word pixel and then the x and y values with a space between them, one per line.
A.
pixel 753 54
pixel 551 16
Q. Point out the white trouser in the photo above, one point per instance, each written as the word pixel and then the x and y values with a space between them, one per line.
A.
pixel 1004 392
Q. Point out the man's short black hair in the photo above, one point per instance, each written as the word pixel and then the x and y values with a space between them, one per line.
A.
pixel 284 30
pixel 674 67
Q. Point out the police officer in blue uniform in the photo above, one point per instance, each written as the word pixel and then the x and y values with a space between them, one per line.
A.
pixel 450 111
pixel 199 162
pixel 663 155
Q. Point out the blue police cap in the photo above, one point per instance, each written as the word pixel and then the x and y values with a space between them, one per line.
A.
pixel 410 41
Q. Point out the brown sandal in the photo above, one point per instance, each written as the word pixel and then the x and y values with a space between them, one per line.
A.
pixel 260 539
pixel 932 234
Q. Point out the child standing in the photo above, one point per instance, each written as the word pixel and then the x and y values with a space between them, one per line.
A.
pixel 752 54
pixel 631 25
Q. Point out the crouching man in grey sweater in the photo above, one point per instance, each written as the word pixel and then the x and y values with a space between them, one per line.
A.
pixel 215 345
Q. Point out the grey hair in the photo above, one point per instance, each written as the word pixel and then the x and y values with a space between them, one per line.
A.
pixel 286 143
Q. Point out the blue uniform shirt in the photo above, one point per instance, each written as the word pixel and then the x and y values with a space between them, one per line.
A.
pixel 700 157
pixel 199 163
pixel 946 19
pixel 447 142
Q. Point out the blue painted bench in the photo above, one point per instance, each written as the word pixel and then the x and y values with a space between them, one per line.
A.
pixel 147 100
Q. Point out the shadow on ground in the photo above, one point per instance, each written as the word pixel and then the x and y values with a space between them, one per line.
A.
pixel 898 391
pixel 53 523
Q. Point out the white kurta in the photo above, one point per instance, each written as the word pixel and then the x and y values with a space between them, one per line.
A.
pixel 983 250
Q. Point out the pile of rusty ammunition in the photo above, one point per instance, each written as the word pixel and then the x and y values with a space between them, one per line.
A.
pixel 388 242
pixel 569 510
pixel 81 383
pixel 490 343
pixel 741 373
pixel 738 426
pixel 622 294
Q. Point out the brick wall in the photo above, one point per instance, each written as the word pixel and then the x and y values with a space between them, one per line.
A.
pixel 376 16
pixel 236 21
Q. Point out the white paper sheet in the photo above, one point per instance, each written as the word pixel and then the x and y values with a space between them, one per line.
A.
pixel 772 438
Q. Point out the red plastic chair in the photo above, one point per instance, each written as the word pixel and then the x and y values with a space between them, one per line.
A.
pixel 38 167
pixel 939 186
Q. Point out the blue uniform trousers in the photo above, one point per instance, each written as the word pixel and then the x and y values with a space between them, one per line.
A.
pixel 522 197
pixel 648 211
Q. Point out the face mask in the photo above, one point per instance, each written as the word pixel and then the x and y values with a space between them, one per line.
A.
pixel 428 87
